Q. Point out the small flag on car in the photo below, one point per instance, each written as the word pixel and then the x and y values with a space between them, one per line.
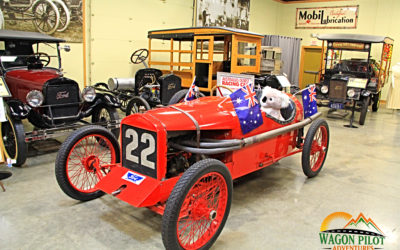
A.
pixel 191 94
pixel 309 101
pixel 247 108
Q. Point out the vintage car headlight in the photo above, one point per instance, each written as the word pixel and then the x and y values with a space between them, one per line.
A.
pixel 351 93
pixel 89 94
pixel 324 89
pixel 34 98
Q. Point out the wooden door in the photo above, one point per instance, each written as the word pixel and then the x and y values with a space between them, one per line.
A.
pixel 310 65
pixel 203 61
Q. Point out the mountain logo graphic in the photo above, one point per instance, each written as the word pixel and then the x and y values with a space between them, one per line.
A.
pixel 362 221
pixel 356 231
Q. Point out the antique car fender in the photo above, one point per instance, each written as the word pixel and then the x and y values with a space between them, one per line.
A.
pixel 101 99
pixel 107 99
pixel 17 109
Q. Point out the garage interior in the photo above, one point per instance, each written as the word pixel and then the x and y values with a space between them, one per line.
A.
pixel 273 208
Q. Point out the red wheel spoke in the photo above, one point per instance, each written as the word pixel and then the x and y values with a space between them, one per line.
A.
pixel 202 201
pixel 85 160
pixel 318 148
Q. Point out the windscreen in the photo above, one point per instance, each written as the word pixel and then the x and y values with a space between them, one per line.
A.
pixel 25 54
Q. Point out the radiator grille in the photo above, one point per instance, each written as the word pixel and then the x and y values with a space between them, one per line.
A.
pixel 337 89
pixel 170 84
pixel 63 92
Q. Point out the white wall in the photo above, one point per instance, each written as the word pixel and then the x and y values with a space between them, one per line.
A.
pixel 117 28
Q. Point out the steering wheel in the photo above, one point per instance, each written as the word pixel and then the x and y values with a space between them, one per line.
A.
pixel 220 86
pixel 45 60
pixel 139 56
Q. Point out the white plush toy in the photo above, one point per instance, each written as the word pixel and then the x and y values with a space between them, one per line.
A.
pixel 272 100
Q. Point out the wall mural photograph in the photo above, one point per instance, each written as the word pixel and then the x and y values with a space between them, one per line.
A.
pixel 223 13
pixel 58 18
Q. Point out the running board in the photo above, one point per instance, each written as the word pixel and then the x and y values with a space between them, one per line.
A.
pixel 43 134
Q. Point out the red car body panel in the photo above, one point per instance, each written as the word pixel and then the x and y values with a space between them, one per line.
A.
pixel 217 119
pixel 21 81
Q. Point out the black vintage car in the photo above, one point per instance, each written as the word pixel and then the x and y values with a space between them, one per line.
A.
pixel 350 78
pixel 39 92
pixel 148 89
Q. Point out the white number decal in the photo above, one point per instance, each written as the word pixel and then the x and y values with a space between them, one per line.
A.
pixel 146 137
pixel 130 133
pixel 147 151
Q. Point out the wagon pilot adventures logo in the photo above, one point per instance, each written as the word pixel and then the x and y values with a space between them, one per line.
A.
pixel 342 231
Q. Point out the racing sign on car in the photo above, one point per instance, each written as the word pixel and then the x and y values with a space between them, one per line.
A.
pixel 232 82
pixel 139 150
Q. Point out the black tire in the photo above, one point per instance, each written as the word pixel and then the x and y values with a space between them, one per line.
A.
pixel 4 175
pixel 375 102
pixel 104 113
pixel 198 175
pixel 307 154
pixel 67 159
pixel 135 104
pixel 180 95
pixel 364 110
pixel 13 140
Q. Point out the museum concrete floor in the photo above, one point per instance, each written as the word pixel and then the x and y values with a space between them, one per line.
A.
pixel 275 208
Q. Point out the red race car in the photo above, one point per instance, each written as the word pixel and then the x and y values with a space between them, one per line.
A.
pixel 180 160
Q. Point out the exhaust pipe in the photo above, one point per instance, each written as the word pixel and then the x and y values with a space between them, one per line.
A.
pixel 221 146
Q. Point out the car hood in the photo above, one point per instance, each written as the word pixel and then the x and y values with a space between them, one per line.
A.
pixel 34 76
pixel 209 112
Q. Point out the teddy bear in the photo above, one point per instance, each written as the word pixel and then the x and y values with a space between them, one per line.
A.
pixel 272 100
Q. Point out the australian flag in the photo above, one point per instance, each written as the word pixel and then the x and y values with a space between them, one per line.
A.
pixel 247 108
pixel 191 94
pixel 309 101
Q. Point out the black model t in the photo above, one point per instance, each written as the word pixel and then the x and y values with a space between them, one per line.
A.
pixel 349 77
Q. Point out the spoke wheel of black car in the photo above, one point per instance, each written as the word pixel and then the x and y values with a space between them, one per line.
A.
pixel 198 206
pixel 46 16
pixel 315 148
pixel 13 141
pixel 124 103
pixel 180 96
pixel 103 114
pixel 137 105
pixel 364 110
pixel 84 159
pixel 375 102
pixel 139 56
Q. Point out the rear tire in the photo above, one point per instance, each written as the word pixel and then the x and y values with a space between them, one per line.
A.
pixel 78 171
pixel 315 148
pixel 13 141
pixel 376 102
pixel 180 96
pixel 136 104
pixel 103 114
pixel 198 206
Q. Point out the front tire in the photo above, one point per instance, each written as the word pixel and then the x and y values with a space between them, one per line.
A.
pixel 13 140
pixel 80 159
pixel 315 148
pixel 105 114
pixel 198 206
pixel 364 110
